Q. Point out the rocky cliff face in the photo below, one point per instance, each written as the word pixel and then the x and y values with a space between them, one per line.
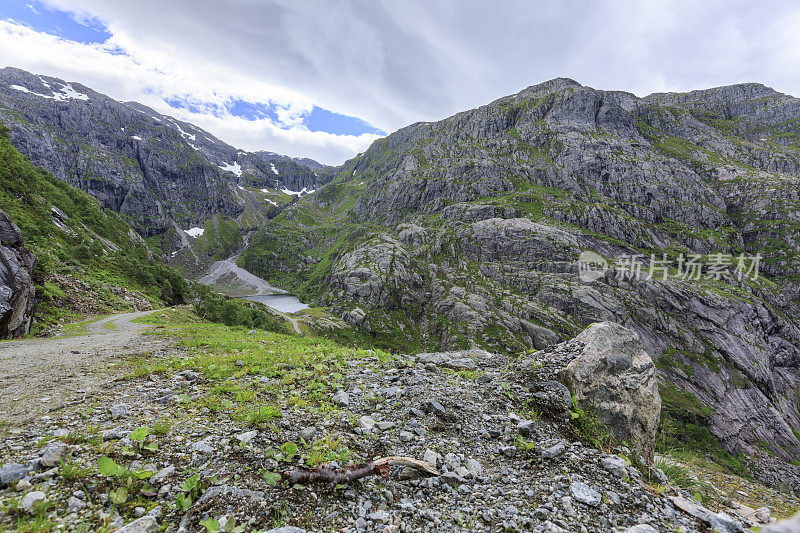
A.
pixel 17 294
pixel 161 174
pixel 468 232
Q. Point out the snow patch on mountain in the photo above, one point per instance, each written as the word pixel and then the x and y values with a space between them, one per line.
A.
pixel 275 170
pixel 194 232
pixel 67 92
pixel 297 193
pixel 234 167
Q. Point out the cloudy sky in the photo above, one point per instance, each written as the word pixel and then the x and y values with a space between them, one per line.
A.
pixel 323 79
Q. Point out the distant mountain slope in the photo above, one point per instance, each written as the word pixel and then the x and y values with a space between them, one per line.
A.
pixel 89 260
pixel 162 175
pixel 468 231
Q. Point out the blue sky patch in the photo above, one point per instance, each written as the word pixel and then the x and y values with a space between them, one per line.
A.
pixel 323 120
pixel 42 18
pixel 318 119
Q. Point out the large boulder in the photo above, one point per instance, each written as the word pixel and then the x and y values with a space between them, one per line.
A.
pixel 16 285
pixel 613 376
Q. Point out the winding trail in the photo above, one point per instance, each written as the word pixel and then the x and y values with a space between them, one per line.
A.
pixel 40 375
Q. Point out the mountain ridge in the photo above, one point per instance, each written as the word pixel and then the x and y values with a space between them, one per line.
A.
pixel 163 175
pixel 468 230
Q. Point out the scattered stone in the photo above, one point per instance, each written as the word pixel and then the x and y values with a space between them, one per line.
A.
pixel 75 504
pixel 119 410
pixel 145 524
pixel 435 407
pixel 11 473
pixel 162 474
pixel 32 498
pixel 366 422
pixel 341 398
pixel 247 436
pixel 584 494
pixel 764 514
pixel 308 433
pixel 554 451
pixel 616 465
pixel 55 452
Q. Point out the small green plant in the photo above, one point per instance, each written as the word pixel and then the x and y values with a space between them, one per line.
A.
pixel 161 426
pixel 71 469
pixel 139 439
pixel 678 474
pixel 190 490
pixel 272 478
pixel 213 525
pixel 589 427
pixel 525 446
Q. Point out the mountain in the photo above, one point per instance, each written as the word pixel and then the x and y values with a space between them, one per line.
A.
pixel 161 175
pixel 88 260
pixel 468 231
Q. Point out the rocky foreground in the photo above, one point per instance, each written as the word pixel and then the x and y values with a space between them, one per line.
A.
pixel 513 450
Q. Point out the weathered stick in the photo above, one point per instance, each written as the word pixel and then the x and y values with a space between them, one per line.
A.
pixel 342 476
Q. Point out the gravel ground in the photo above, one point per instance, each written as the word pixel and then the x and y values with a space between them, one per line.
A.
pixel 39 375
pixel 506 462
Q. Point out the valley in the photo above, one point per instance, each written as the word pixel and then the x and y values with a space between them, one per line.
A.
pixel 260 314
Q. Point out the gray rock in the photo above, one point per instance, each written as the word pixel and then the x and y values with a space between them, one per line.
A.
pixel 247 436
pixel 162 474
pixel 341 398
pixel 553 397
pixel 366 422
pixel 32 498
pixel 202 447
pixel 616 465
pixel 585 494
pixel 55 452
pixel 763 514
pixel 308 433
pixel 790 525
pixel 433 406
pixel 74 504
pixel 119 410
pixel 554 451
pixel 145 524
pixel 432 457
pixel 11 473
pixel 286 529
pixel 641 528
pixel 614 377
pixel 17 291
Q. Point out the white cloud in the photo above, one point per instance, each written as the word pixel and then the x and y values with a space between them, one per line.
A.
pixel 392 63
pixel 123 77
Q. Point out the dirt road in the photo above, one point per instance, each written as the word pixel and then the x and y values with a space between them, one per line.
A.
pixel 40 375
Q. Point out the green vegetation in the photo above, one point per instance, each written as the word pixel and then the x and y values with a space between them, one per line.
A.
pixel 232 312
pixel 684 429
pixel 589 428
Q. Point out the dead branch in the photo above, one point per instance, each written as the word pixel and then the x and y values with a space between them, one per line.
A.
pixel 342 476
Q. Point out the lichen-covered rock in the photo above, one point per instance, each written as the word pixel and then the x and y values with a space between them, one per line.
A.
pixel 614 377
pixel 17 292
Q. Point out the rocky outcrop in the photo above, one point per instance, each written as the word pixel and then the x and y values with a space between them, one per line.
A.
pixel 17 293
pixel 614 377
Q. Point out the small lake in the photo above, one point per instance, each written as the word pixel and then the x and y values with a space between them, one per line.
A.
pixel 285 303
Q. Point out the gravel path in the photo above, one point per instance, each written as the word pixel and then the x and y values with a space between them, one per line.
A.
pixel 40 375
